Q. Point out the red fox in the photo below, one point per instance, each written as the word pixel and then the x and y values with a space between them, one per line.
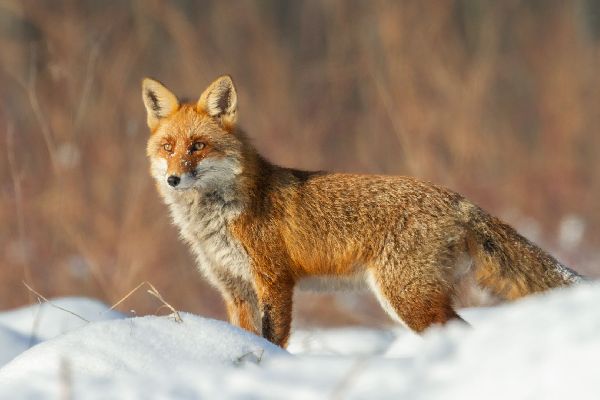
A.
pixel 257 229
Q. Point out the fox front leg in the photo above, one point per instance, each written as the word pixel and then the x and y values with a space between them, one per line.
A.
pixel 243 311
pixel 241 301
pixel 276 309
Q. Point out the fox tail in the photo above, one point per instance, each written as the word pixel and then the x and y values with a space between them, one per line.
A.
pixel 506 263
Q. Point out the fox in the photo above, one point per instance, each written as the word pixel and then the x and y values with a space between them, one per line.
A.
pixel 259 230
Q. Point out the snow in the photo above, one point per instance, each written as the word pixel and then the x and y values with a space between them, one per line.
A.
pixel 47 320
pixel 542 347
pixel 26 326
pixel 154 348
pixel 13 343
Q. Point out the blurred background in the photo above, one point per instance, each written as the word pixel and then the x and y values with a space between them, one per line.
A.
pixel 497 100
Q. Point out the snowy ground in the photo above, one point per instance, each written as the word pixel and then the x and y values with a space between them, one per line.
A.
pixel 544 347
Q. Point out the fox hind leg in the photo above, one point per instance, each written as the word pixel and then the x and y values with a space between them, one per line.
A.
pixel 416 303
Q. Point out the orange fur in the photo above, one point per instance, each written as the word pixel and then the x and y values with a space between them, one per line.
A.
pixel 257 229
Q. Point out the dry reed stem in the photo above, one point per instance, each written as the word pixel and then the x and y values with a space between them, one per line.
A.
pixel 16 177
pixel 45 127
pixel 154 292
pixel 132 291
pixel 40 296
pixel 243 357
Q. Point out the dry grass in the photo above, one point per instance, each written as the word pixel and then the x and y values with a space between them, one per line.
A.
pixel 155 293
pixel 41 298
pixel 497 100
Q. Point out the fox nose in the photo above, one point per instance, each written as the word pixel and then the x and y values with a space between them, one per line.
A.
pixel 173 180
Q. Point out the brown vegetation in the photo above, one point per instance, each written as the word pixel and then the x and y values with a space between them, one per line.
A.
pixel 497 100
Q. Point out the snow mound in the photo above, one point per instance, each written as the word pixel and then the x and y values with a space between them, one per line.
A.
pixel 153 348
pixel 12 343
pixel 542 347
pixel 26 326
pixel 341 341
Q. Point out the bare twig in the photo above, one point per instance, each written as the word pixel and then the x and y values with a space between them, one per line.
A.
pixel 52 304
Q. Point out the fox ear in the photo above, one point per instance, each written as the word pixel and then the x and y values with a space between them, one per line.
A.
pixel 220 100
pixel 159 101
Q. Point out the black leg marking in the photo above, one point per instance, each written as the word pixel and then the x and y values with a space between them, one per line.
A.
pixel 267 323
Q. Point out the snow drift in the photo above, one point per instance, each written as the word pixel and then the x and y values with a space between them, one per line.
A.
pixel 543 347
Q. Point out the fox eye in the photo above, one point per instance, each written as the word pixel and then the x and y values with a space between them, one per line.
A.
pixel 168 147
pixel 197 146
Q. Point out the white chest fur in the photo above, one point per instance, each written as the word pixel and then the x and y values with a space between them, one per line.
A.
pixel 203 221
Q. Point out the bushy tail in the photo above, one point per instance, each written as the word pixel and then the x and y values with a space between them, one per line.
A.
pixel 506 263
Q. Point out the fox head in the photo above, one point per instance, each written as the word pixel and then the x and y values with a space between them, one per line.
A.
pixel 193 145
